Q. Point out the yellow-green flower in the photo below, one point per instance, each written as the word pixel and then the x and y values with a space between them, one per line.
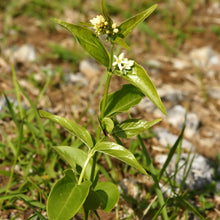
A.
pixel 101 26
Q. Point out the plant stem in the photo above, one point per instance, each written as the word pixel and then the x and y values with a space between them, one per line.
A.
pixel 105 96
pixel 84 167
pixel 154 176
pixel 109 71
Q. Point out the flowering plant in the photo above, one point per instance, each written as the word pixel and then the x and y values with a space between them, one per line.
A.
pixel 80 189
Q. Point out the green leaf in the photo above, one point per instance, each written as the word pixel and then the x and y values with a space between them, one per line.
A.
pixel 66 197
pixel 122 100
pixel 109 195
pixel 92 201
pixel 71 126
pixel 119 152
pixel 127 26
pixel 132 127
pixel 139 78
pixel 108 124
pixel 88 40
pixel 122 43
pixel 75 156
pixel 105 13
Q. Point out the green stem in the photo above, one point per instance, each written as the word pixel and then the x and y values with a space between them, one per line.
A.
pixel 154 176
pixel 109 70
pixel 105 96
pixel 84 167
pixel 108 81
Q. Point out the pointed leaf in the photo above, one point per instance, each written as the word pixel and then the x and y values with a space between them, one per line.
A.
pixel 105 13
pixel 71 126
pixel 92 201
pixel 122 43
pixel 122 100
pixel 132 127
pixel 109 195
pixel 88 40
pixel 108 124
pixel 127 26
pixel 139 78
pixel 119 152
pixel 66 197
pixel 75 156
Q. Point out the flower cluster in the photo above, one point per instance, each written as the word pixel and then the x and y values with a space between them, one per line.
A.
pixel 123 63
pixel 102 26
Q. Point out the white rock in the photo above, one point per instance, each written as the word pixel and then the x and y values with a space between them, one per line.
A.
pixel 180 64
pixel 176 117
pixel 167 93
pixel 24 53
pixel 204 57
pixel 200 169
pixel 154 63
pixel 89 69
pixel 214 92
pixel 165 138
pixel 146 104
pixel 130 188
pixel 76 78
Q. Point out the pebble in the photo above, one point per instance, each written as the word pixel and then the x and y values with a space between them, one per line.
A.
pixel 200 174
pixel 77 78
pixel 214 92
pixel 204 56
pixel 154 63
pixel 146 105
pixel 24 53
pixel 89 69
pixel 168 94
pixel 180 64
pixel 176 117
pixel 3 103
pixel 129 187
pixel 165 139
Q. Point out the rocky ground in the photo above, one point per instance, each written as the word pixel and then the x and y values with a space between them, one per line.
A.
pixel 188 79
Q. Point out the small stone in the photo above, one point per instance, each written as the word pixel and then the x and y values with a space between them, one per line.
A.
pixel 214 92
pixel 2 104
pixel 204 56
pixel 199 175
pixel 165 138
pixel 89 69
pixel 176 117
pixel 180 64
pixel 24 53
pixel 146 105
pixel 154 63
pixel 76 78
pixel 168 94
pixel 218 189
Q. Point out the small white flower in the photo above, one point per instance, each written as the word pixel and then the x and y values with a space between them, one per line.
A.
pixel 97 20
pixel 115 30
pixel 129 64
pixel 114 25
pixel 119 61
pixel 123 63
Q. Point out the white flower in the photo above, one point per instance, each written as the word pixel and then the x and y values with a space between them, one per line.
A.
pixel 129 64
pixel 97 20
pixel 114 25
pixel 123 63
pixel 119 61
